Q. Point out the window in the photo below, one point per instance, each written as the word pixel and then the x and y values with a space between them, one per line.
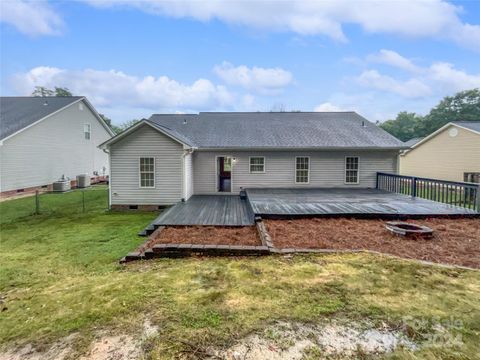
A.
pixel 227 164
pixel 351 170
pixel 147 172
pixel 302 170
pixel 471 177
pixel 87 129
pixel 257 164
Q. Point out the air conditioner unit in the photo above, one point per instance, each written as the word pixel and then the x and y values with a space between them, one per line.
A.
pixel 83 181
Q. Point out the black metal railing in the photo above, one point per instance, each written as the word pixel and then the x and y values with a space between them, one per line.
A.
pixel 462 194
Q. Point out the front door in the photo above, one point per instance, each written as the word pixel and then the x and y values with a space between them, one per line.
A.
pixel 224 174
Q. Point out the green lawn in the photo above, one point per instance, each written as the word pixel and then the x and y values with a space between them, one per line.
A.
pixel 60 274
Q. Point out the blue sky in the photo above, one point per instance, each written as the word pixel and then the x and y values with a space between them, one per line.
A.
pixel 135 58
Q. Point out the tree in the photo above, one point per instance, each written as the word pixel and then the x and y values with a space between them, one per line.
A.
pixel 404 126
pixel 464 105
pixel 62 91
pixel 41 91
pixel 125 125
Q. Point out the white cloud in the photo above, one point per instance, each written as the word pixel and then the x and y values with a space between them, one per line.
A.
pixel 448 77
pixel 117 89
pixel 419 18
pixel 31 17
pixel 393 58
pixel 410 88
pixel 439 77
pixel 328 106
pixel 262 80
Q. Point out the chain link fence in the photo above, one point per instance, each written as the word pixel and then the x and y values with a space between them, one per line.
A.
pixel 78 201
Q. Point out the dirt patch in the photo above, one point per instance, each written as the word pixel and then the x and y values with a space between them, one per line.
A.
pixel 104 347
pixel 292 341
pixel 204 235
pixel 455 241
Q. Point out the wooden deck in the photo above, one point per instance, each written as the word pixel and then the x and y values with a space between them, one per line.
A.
pixel 230 210
pixel 216 210
pixel 278 203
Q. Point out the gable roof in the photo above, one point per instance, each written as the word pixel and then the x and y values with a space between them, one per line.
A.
pixel 470 125
pixel 473 126
pixel 276 130
pixel 17 113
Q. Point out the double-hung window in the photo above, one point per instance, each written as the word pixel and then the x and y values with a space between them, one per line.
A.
pixel 302 170
pixel 351 169
pixel 257 164
pixel 147 172
pixel 87 130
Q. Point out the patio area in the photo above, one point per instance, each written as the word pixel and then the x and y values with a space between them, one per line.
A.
pixel 366 203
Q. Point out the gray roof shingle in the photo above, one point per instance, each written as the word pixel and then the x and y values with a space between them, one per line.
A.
pixel 413 141
pixel 17 113
pixel 276 130
pixel 472 125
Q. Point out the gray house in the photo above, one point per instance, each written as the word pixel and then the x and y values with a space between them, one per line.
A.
pixel 169 158
pixel 43 138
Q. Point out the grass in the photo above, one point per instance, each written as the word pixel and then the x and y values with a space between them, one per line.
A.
pixel 59 275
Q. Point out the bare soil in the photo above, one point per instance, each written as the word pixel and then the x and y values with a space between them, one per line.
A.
pixel 205 235
pixel 455 241
pixel 296 341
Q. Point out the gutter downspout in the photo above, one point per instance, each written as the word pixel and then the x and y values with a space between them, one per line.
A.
pixel 184 182
pixel 109 178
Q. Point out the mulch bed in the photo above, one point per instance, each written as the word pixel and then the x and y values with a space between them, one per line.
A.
pixel 455 241
pixel 205 235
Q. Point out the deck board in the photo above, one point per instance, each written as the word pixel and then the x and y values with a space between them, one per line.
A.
pixel 230 210
pixel 353 202
pixel 214 210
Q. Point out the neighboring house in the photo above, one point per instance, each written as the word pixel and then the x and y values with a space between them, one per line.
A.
pixel 43 138
pixel 413 141
pixel 450 153
pixel 168 158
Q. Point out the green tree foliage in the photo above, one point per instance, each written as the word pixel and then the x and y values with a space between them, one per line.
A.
pixel 42 91
pixel 62 91
pixel 464 105
pixel 404 126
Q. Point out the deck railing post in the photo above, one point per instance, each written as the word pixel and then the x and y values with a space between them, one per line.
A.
pixel 376 183
pixel 477 197
pixel 414 186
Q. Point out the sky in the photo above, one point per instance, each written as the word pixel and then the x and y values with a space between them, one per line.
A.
pixel 135 58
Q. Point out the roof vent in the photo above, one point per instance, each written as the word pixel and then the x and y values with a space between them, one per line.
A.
pixel 45 103
pixel 184 121
pixel 363 124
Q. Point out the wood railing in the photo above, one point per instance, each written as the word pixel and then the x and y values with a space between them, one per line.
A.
pixel 449 192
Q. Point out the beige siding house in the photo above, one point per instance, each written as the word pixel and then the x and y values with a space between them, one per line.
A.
pixel 451 153
pixel 45 138
pixel 169 158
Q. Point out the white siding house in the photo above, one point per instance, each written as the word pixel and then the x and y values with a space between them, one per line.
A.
pixel 224 153
pixel 48 138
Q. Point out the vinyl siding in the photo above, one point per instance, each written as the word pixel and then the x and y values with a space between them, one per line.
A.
pixel 444 157
pixel 188 162
pixel 327 169
pixel 125 155
pixel 56 146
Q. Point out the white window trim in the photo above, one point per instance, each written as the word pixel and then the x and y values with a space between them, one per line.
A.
pixel 140 173
pixel 309 166
pixel 250 164
pixel 345 171
pixel 89 131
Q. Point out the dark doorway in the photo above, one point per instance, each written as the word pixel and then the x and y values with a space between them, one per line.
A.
pixel 224 169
